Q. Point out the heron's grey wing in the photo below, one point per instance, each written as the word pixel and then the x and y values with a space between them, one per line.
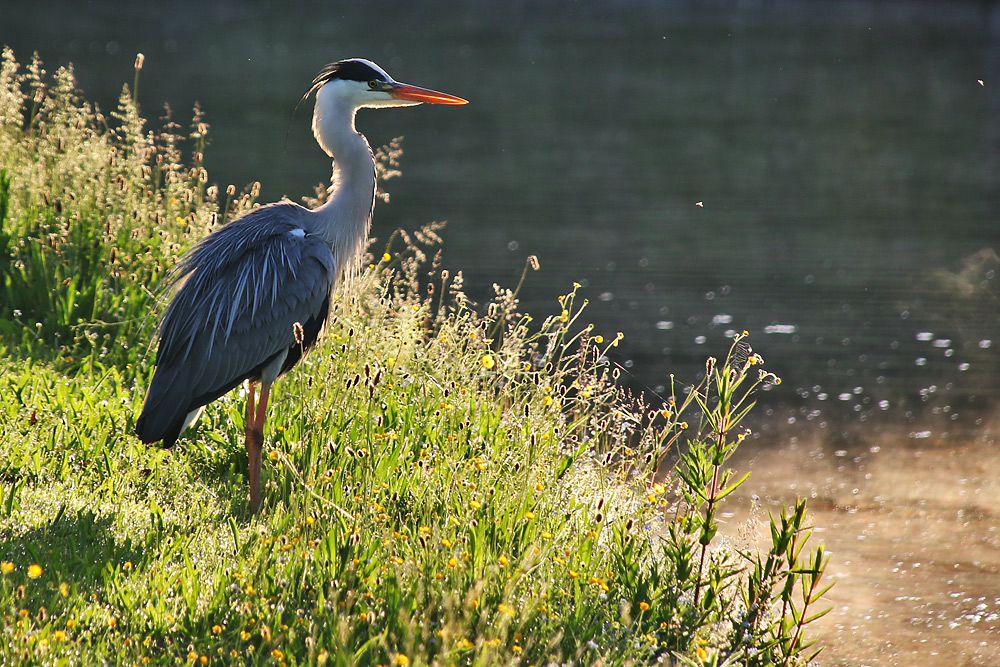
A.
pixel 253 290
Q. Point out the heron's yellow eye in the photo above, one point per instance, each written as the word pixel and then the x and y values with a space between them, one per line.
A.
pixel 373 84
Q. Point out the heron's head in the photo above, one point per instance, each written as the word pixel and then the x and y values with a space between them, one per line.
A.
pixel 361 83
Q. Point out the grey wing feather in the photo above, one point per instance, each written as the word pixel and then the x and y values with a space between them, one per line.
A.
pixel 243 289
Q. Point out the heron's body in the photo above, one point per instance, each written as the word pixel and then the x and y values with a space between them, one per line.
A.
pixel 255 294
pixel 255 279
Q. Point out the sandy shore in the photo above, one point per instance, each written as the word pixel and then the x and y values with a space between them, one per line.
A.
pixel 913 532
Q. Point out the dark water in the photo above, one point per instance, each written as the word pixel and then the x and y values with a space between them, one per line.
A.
pixel 822 174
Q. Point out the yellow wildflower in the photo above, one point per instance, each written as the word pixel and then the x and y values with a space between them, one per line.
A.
pixel 6 567
pixel 34 571
pixel 488 361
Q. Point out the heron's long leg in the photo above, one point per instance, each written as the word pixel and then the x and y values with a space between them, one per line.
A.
pixel 251 411
pixel 254 443
pixel 255 447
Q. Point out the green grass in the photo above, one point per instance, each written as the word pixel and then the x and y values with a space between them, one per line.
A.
pixel 445 483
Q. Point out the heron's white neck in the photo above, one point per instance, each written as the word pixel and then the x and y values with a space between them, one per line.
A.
pixel 345 219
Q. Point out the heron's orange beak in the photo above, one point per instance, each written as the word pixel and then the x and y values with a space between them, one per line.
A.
pixel 405 91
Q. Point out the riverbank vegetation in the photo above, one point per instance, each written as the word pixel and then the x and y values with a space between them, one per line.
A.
pixel 445 482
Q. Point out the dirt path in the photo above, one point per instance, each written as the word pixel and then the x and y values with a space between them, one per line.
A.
pixel 913 532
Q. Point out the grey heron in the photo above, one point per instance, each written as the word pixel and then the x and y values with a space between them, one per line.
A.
pixel 254 294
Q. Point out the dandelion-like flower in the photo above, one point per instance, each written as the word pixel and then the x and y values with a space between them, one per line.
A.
pixel 6 567
pixel 34 571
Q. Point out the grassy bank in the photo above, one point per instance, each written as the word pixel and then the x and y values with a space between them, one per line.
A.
pixel 445 482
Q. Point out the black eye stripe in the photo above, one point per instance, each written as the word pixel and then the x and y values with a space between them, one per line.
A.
pixel 354 69
pixel 351 70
